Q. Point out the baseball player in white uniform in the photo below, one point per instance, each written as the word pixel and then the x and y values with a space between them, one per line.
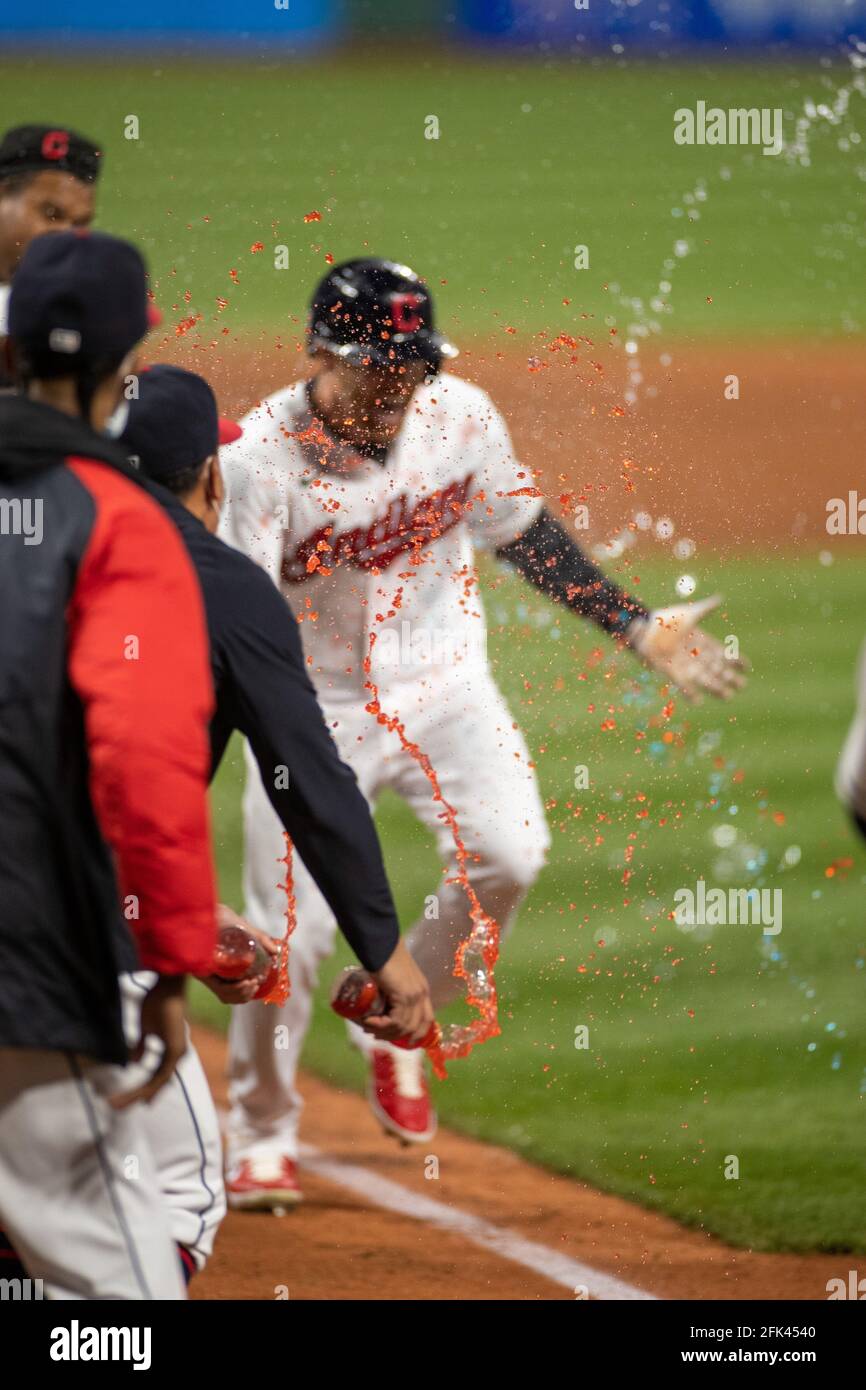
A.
pixel 364 492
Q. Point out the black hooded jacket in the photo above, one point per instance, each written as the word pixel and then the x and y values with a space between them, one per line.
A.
pixel 99 819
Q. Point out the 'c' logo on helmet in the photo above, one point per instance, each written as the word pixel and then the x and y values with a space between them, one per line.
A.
pixel 406 312
pixel 55 145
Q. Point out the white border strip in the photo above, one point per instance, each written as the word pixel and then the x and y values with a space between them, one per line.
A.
pixel 558 1268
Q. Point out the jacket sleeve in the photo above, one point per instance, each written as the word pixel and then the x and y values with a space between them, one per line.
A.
pixel 314 793
pixel 138 660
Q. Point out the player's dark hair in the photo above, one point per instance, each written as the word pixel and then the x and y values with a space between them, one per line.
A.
pixel 182 483
pixel 87 381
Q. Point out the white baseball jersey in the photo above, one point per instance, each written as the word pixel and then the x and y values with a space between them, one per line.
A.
pixel 344 536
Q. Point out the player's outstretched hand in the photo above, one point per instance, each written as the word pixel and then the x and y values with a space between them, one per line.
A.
pixel 163 1016
pixel 671 642
pixel 410 1009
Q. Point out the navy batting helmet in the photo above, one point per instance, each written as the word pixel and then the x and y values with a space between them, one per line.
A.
pixel 376 313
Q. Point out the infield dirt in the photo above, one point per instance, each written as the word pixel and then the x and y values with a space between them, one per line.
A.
pixel 337 1245
pixel 754 471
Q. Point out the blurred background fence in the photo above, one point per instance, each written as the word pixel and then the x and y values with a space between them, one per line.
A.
pixel 558 26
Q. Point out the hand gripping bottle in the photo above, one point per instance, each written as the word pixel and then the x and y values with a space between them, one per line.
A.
pixel 355 995
pixel 238 956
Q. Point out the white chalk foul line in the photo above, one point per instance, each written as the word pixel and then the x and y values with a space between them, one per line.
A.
pixel 382 1192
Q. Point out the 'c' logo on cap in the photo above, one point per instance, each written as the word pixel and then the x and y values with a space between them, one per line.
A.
pixel 55 145
pixel 405 311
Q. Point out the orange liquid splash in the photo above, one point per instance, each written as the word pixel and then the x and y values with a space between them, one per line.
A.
pixel 476 956
pixel 281 988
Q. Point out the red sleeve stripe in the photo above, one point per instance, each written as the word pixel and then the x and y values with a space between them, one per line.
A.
pixel 139 661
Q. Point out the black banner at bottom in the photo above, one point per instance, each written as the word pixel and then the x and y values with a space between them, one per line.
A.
pixel 63 1340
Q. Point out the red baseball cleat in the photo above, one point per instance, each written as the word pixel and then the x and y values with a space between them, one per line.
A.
pixel 398 1094
pixel 262 1183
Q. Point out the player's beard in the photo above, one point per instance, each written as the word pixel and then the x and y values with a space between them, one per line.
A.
pixel 346 450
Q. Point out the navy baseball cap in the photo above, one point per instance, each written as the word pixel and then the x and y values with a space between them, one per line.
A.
pixel 174 425
pixel 43 149
pixel 78 299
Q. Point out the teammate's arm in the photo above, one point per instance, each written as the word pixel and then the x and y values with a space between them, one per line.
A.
pixel 316 796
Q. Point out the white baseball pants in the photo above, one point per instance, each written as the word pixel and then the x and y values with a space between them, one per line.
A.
pixel 182 1129
pixel 80 1196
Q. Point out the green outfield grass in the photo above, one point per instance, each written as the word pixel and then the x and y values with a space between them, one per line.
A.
pixel 699 1048
pixel 532 160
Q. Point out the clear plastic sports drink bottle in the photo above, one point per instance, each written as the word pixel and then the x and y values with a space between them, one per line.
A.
pixel 238 956
pixel 356 995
